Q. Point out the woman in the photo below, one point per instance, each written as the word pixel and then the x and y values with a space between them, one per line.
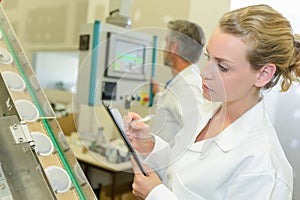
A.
pixel 237 154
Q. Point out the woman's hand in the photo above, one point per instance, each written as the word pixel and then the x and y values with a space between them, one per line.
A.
pixel 138 134
pixel 142 185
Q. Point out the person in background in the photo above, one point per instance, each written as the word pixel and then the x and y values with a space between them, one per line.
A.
pixel 184 45
pixel 236 154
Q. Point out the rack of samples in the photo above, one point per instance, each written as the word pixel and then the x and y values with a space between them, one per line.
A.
pixel 36 162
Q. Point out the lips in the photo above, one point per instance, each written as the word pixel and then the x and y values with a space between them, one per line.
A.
pixel 205 88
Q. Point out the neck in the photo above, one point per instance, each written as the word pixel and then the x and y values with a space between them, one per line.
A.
pixel 231 111
pixel 179 65
pixel 227 114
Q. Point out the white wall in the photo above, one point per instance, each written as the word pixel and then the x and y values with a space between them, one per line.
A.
pixel 57 70
pixel 284 112
pixel 207 14
pixel 55 25
pixel 284 108
pixel 46 25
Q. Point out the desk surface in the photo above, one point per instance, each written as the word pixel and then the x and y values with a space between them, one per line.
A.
pixel 94 158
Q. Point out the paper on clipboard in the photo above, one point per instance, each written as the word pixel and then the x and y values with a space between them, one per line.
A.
pixel 118 121
pixel 118 118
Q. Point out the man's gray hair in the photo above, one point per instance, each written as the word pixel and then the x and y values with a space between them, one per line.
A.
pixel 189 37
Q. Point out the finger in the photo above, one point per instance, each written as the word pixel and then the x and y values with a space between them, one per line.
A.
pixel 131 116
pixel 136 168
pixel 138 125
pixel 134 193
pixel 147 168
pixel 128 118
pixel 134 165
pixel 130 138
pixel 135 116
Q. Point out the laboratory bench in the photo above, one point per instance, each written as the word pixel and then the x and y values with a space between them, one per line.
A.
pixel 90 160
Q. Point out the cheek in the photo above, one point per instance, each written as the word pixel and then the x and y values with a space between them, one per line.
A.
pixel 228 86
pixel 222 89
pixel 237 88
pixel 219 87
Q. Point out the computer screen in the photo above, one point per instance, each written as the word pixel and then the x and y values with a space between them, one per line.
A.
pixel 129 57
pixel 126 56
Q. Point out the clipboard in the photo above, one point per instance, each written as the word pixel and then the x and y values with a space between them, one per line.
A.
pixel 122 133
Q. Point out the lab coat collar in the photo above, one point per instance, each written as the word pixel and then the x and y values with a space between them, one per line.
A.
pixel 234 134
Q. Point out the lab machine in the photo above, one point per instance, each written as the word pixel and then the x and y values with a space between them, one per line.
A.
pixel 36 162
pixel 116 66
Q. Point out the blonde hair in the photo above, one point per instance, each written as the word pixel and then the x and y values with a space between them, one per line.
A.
pixel 270 39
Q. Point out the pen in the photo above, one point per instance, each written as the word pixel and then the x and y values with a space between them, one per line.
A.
pixel 145 119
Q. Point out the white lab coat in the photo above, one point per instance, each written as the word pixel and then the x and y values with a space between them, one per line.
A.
pixel 245 161
pixel 182 95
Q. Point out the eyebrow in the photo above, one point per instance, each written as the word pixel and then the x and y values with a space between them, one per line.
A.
pixel 220 59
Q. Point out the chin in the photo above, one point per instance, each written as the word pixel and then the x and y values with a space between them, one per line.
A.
pixel 207 96
pixel 211 98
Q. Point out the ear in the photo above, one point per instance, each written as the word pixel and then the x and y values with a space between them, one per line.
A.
pixel 265 75
pixel 174 47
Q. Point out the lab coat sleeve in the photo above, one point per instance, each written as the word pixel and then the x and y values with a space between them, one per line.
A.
pixel 260 186
pixel 164 153
pixel 161 192
pixel 159 157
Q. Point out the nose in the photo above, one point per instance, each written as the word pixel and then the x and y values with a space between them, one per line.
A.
pixel 206 72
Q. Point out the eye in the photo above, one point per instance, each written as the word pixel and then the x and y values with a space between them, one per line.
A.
pixel 206 55
pixel 222 68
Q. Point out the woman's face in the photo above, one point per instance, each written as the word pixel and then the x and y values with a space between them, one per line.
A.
pixel 227 75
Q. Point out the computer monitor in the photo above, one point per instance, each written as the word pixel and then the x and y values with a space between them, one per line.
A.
pixel 126 56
